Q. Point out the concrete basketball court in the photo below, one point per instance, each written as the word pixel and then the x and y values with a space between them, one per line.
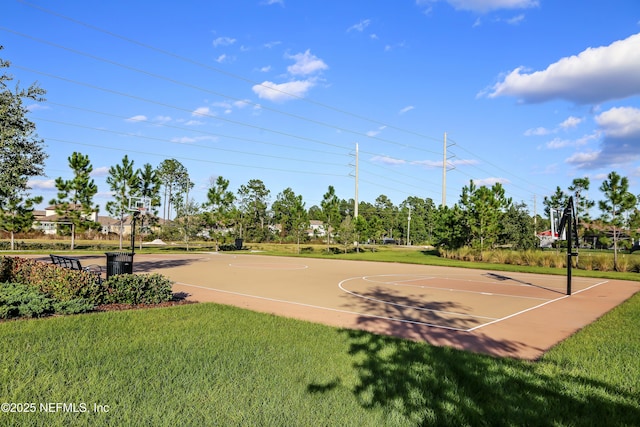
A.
pixel 503 314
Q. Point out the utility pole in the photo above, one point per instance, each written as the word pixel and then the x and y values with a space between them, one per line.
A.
pixel 409 226
pixel 444 172
pixel 355 209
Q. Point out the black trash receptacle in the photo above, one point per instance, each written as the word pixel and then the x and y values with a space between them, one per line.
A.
pixel 119 263
pixel 239 243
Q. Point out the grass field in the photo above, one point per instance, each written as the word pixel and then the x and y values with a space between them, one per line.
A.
pixel 208 364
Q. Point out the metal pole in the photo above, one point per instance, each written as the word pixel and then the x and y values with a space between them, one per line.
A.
pixel 444 172
pixel 569 251
pixel 133 234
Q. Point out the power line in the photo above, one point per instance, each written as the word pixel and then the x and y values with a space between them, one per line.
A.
pixel 191 86
pixel 218 70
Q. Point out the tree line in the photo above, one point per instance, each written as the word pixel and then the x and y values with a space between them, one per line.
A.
pixel 482 218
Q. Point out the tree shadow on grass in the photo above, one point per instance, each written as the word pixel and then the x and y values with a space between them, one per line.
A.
pixel 418 384
pixel 426 385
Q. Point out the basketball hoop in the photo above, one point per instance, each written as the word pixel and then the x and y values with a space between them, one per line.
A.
pixel 141 205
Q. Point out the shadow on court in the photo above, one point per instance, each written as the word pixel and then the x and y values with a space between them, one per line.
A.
pixel 416 384
pixel 503 278
pixel 409 308
pixel 148 266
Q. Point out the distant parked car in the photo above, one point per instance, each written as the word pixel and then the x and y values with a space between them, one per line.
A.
pixel 387 241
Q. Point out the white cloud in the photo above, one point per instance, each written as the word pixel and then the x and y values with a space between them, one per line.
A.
pixel 360 26
pixel 389 161
pixel 222 58
pixel 620 122
pixel 593 76
pixel 162 119
pixel 488 182
pixel 306 63
pixel 376 132
pixel 201 112
pixel 138 118
pixel 558 143
pixel 42 184
pixel 482 6
pixel 36 107
pixel 272 44
pixel 515 20
pixel 539 131
pixel 406 109
pixel 223 41
pixel 584 160
pixel 265 69
pixel 191 140
pixel 571 122
pixel 270 2
pixel 101 171
pixel 283 91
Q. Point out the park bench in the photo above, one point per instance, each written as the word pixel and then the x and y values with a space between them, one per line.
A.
pixel 75 264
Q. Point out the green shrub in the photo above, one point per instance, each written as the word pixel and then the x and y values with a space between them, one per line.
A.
pixel 61 284
pixel 19 300
pixel 138 289
pixel 74 306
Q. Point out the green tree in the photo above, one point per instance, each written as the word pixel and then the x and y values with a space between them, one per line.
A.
pixel 360 227
pixel 518 228
pixel 16 214
pixel 124 182
pixel 618 200
pixel 289 211
pixel 483 209
pixel 557 202
pixel 188 219
pixel 22 153
pixel 171 173
pixel 387 213
pixel 220 207
pixel 451 230
pixel 74 203
pixel 149 185
pixel 253 200
pixel 346 233
pixel 330 206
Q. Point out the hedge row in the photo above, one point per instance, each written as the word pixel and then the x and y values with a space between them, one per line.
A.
pixel 31 289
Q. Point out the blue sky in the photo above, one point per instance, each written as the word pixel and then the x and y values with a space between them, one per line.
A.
pixel 531 93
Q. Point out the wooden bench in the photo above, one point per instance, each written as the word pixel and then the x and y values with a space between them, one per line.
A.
pixel 75 264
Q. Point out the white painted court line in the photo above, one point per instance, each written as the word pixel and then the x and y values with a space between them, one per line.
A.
pixel 366 278
pixel 407 306
pixel 533 308
pixel 325 308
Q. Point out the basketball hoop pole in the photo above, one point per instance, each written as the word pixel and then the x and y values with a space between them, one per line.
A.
pixel 568 218
pixel 133 234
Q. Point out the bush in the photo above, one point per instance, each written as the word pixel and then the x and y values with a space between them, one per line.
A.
pixel 61 284
pixel 74 306
pixel 19 300
pixel 138 289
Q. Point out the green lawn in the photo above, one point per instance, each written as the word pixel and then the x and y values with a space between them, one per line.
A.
pixel 207 364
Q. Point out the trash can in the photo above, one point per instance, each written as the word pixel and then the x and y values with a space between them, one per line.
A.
pixel 119 263
pixel 239 244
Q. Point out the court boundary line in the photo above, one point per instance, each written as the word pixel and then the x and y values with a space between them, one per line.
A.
pixel 405 305
pixel 538 306
pixel 365 278
pixel 325 308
